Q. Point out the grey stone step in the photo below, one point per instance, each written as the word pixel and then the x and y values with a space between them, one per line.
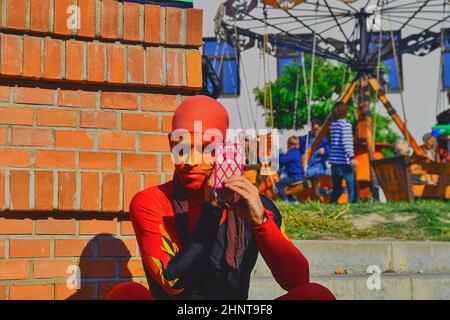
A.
pixel 351 287
pixel 325 257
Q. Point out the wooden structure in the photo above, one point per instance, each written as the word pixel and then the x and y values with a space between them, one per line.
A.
pixel 408 178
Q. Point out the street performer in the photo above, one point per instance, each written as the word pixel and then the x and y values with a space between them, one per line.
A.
pixel 195 246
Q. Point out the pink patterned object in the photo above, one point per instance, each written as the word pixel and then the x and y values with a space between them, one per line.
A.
pixel 229 162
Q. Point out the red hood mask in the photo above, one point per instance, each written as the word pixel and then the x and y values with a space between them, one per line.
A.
pixel 211 115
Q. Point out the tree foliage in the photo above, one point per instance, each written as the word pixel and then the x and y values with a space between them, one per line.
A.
pixel 330 81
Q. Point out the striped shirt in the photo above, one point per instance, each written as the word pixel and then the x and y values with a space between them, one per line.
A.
pixel 341 150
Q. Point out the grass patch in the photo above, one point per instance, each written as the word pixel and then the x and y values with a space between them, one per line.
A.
pixel 419 220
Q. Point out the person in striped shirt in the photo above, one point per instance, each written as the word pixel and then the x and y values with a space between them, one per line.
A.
pixel 342 154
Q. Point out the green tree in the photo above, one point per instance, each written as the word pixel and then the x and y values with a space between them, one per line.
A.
pixel 330 81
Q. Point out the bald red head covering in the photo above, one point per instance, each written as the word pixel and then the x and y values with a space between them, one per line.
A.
pixel 209 111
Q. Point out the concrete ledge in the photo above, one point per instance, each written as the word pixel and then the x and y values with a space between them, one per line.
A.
pixel 354 287
pixel 325 257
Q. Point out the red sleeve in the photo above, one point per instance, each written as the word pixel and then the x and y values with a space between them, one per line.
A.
pixel 289 266
pixel 157 247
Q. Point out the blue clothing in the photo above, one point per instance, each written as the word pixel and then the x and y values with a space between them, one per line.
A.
pixel 292 162
pixel 339 172
pixel 317 164
pixel 342 149
pixel 281 184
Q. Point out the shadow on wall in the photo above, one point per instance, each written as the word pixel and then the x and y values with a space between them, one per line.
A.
pixel 104 255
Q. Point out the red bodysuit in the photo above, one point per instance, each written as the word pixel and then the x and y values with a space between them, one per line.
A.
pixel 200 250
pixel 153 220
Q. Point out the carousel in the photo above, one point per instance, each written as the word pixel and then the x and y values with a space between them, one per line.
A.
pixel 360 34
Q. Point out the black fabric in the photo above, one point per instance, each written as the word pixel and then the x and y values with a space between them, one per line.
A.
pixel 201 265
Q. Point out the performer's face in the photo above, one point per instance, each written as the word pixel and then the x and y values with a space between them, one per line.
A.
pixel 193 163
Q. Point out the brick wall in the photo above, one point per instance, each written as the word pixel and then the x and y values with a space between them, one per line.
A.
pixel 84 116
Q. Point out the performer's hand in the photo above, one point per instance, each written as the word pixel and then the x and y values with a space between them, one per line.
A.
pixel 223 193
pixel 248 205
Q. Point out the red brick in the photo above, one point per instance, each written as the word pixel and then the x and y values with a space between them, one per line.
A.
pixel 151 179
pixel 154 66
pixel 94 227
pixel 32 56
pixel 10 50
pixel 87 18
pixel 74 248
pixel 96 62
pixel 116 247
pixel 154 143
pixel 99 120
pixel 61 16
pixel 131 21
pixel 98 268
pixel 34 96
pixel 39 15
pixel 139 121
pixel 45 269
pixel 55 159
pixel 13 270
pixel 55 226
pixel 5 93
pixel 14 158
pixel 2 249
pixel 53 59
pixel 16 14
pixel 2 196
pixel 167 123
pixel 98 160
pixel 20 190
pixel 15 226
pixel 131 185
pixel 116 63
pixel 66 190
pixel 77 98
pixel 86 292
pixel 135 64
pixel 74 60
pixel 194 69
pixel 110 19
pixel 139 162
pixel 126 228
pixel 2 292
pixel 29 248
pixel 132 268
pixel 31 292
pixel 173 25
pixel 152 24
pixel 16 116
pixel 174 67
pixel 90 191
pixel 167 163
pixel 74 139
pixel 194 27
pixel 110 192
pixel 119 100
pixel 56 118
pixel 117 141
pixel 43 190
pixel 3 136
pixel 31 137
pixel 159 102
